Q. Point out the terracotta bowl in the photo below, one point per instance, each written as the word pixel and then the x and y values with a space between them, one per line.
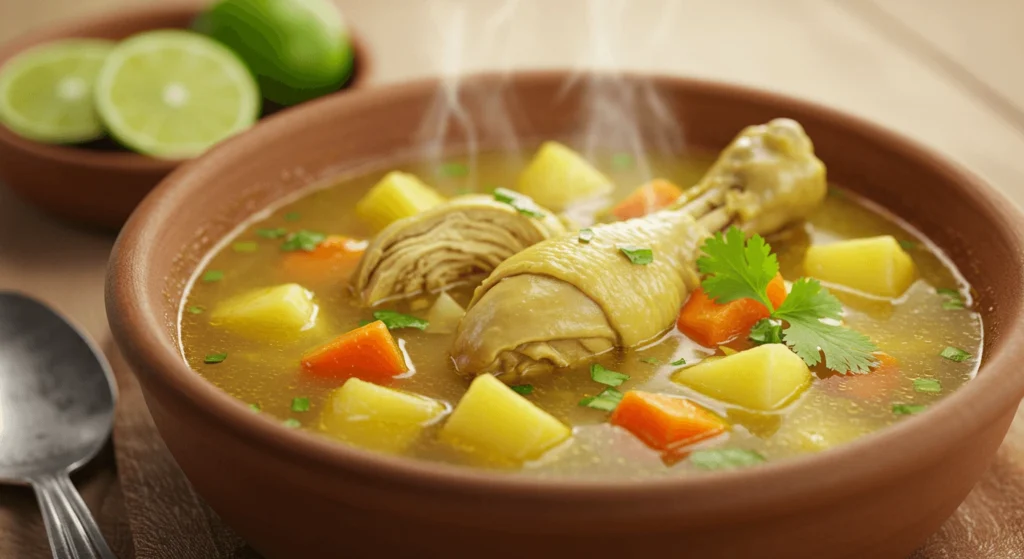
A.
pixel 295 494
pixel 99 186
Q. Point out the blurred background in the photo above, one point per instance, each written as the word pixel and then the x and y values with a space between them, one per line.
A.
pixel 943 71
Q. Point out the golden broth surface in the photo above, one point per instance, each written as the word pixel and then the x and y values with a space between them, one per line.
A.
pixel 833 410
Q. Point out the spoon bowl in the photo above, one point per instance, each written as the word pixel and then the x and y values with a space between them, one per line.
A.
pixel 56 412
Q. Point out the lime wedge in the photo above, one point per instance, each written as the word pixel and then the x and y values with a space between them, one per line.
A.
pixel 46 91
pixel 174 94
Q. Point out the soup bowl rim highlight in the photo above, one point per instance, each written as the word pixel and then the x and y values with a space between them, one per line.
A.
pixel 864 462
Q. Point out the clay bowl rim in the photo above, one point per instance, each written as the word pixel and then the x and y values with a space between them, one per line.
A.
pixel 869 461
pixel 127 160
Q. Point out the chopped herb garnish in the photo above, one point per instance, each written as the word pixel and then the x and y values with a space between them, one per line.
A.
pixel 766 331
pixel 586 235
pixel 196 309
pixel 364 322
pixel 303 240
pixel 277 233
pixel 908 409
pixel 607 376
pixel 255 408
pixel 651 360
pixel 638 255
pixel 607 400
pixel 454 169
pixel 300 404
pixel 955 354
pixel 211 276
pixel 292 216
pixel 725 458
pixel 678 362
pixel 523 389
pixel 907 245
pixel 396 320
pixel 622 161
pixel 292 423
pixel 927 385
pixel 214 358
pixel 523 204
pixel 245 246
pixel 736 268
pixel 954 300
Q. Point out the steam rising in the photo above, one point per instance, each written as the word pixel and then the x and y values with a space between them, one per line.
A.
pixel 613 106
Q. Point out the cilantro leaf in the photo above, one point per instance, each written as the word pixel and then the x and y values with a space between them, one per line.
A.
pixel 766 331
pixel 522 203
pixel 607 400
pixel 304 240
pixel 396 320
pixel 523 389
pixel 804 308
pixel 737 270
pixel 607 376
pixel 845 350
pixel 725 458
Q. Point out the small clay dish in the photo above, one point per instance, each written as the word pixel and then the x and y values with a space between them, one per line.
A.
pixel 98 185
pixel 297 494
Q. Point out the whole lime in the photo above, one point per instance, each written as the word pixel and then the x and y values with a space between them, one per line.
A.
pixel 297 49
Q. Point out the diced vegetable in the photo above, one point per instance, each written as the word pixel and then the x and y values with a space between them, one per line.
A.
pixel 492 418
pixel 375 417
pixel 397 195
pixel 334 258
pixel 665 422
pixel 267 312
pixel 763 378
pixel 648 198
pixel 711 324
pixel 558 176
pixel 876 265
pixel 445 315
pixel 368 353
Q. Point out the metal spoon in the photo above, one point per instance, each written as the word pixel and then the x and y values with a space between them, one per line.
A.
pixel 56 412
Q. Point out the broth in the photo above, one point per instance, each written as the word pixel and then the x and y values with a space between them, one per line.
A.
pixel 834 409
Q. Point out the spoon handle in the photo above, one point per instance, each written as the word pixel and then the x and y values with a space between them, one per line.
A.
pixel 72 532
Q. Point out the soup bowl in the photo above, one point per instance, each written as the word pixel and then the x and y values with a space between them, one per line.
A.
pixel 296 494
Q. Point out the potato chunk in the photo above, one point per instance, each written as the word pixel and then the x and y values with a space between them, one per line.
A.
pixel 271 311
pixel 491 418
pixel 558 176
pixel 378 418
pixel 397 195
pixel 445 315
pixel 763 378
pixel 876 265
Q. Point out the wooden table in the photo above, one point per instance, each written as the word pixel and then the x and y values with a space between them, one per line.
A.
pixel 945 72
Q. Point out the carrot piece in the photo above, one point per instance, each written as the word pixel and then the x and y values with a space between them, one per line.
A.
pixel 368 353
pixel 335 258
pixel 664 422
pixel 880 382
pixel 651 197
pixel 711 324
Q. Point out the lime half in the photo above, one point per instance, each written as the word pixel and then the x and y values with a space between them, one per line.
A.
pixel 46 92
pixel 174 94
